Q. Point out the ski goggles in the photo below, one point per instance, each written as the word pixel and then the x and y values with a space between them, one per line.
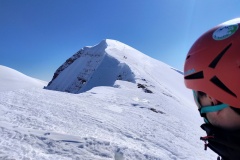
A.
pixel 205 109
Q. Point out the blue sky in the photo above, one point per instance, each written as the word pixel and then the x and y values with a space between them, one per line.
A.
pixel 37 36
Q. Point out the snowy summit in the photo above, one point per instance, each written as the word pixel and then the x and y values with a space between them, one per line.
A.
pixel 125 106
pixel 104 64
pixel 100 65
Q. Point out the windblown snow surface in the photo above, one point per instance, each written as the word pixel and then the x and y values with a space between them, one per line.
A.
pixel 115 120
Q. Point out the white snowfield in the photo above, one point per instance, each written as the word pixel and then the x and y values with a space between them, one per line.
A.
pixel 122 121
pixel 11 79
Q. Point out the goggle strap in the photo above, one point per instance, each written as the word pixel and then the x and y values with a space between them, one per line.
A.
pixel 215 108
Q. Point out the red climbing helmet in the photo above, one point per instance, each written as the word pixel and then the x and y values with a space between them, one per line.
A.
pixel 213 63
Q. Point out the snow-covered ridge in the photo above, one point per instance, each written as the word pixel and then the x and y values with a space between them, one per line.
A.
pixel 88 68
pixel 103 64
pixel 11 79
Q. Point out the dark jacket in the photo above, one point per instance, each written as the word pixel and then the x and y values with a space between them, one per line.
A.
pixel 225 143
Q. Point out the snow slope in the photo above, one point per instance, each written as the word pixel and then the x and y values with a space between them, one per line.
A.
pixel 103 123
pixel 111 60
pixel 11 79
pixel 119 121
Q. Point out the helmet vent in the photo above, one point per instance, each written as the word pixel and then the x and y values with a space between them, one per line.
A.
pixel 198 75
pixel 188 57
pixel 220 84
pixel 214 63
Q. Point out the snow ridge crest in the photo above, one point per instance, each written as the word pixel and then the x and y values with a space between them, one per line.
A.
pixel 91 67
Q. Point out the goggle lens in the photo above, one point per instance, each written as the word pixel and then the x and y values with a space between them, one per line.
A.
pixel 196 99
